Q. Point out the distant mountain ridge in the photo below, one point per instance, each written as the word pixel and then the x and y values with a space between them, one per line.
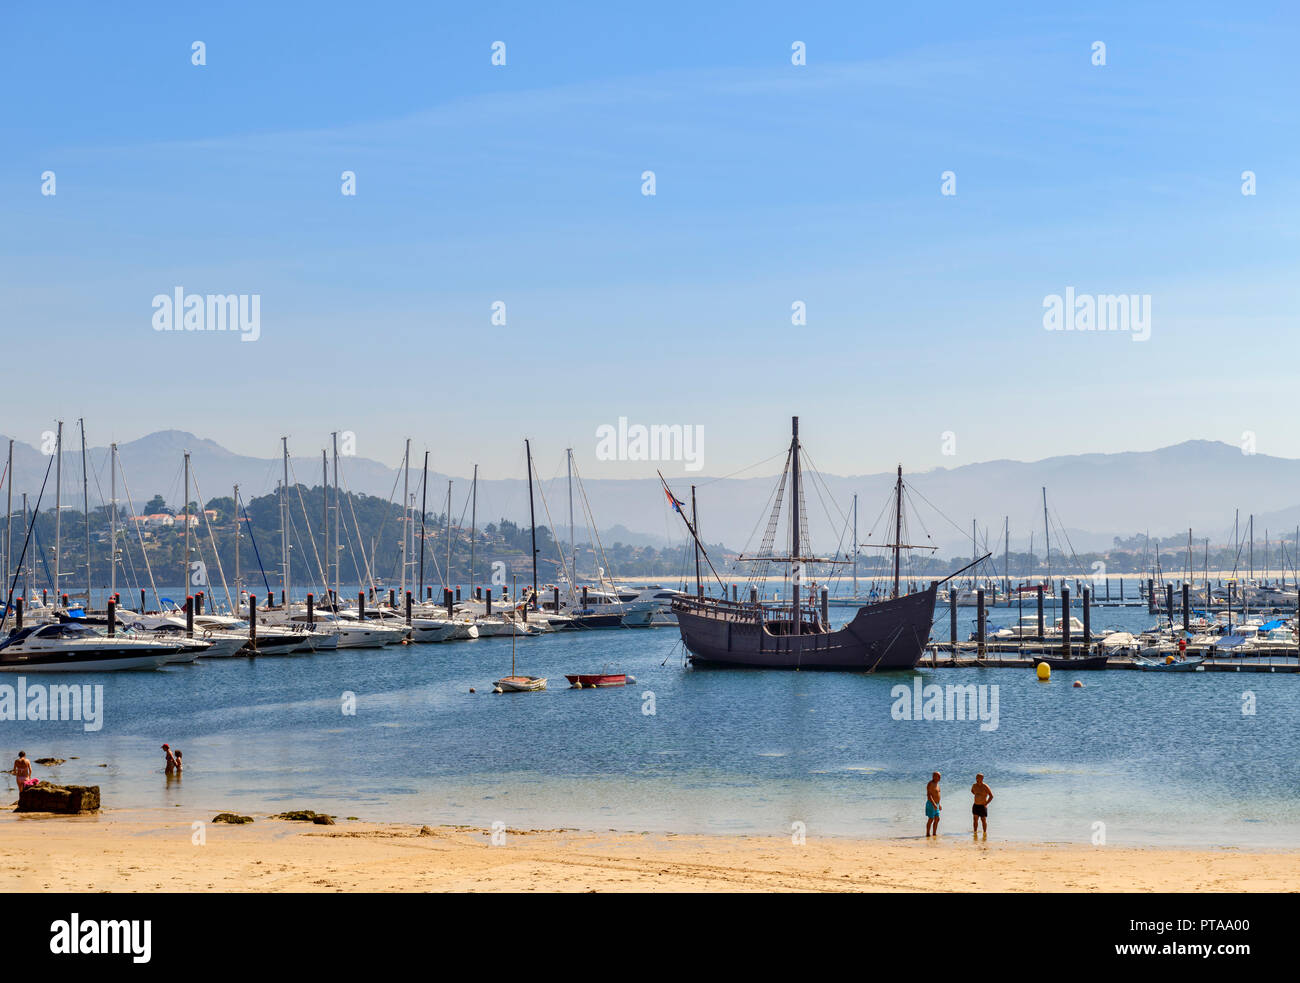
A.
pixel 1093 497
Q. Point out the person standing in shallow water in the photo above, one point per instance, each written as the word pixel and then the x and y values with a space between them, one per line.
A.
pixel 980 810
pixel 22 770
pixel 932 807
pixel 170 765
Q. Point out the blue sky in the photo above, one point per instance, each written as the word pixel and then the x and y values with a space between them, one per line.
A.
pixel 775 183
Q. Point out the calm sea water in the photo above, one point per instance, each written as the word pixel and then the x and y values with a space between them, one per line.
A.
pixel 1163 759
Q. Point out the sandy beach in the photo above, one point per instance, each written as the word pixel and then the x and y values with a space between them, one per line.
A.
pixel 123 851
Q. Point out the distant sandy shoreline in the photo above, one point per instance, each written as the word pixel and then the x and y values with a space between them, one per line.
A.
pixel 142 852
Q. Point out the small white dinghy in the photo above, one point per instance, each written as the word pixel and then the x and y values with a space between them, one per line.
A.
pixel 515 683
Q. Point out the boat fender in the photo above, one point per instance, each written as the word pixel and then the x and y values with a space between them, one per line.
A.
pixel 577 684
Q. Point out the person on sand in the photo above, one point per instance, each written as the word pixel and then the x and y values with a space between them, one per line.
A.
pixel 22 770
pixel 170 765
pixel 932 807
pixel 980 810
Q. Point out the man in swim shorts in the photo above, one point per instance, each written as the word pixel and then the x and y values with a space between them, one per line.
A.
pixel 932 807
pixel 980 810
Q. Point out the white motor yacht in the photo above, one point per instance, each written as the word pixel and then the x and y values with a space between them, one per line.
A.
pixel 80 648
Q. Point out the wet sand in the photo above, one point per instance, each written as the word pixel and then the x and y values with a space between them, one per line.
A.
pixel 126 851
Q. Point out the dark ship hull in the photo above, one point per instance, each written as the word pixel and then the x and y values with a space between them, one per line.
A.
pixel 889 635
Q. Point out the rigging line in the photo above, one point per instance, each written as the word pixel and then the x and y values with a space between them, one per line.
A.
pixel 761 570
pixel 939 511
pixel 383 522
pixel 212 538
pixel 694 534
pixel 296 536
pixel 361 545
pixel 22 557
pixel 1066 536
pixel 256 552
pixel 765 512
pixel 307 520
pixel 750 467
pixel 140 534
pixel 586 506
pixel 564 566
pixel 832 575
pixel 886 509
pixel 816 473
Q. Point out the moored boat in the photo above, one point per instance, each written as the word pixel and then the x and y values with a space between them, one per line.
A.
pixel 1172 665
pixel 595 680
pixel 889 634
pixel 520 684
pixel 79 648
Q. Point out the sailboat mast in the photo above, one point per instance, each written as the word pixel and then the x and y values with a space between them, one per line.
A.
pixel 898 524
pixel 9 521
pixel 338 519
pixel 695 524
pixel 796 572
pixel 27 580
pixel 239 532
pixel 573 544
pixel 424 508
pixel 85 505
pixel 58 507
pixel 855 546
pixel 448 532
pixel 974 552
pixel 406 510
pixel 325 514
pixel 1006 557
pixel 1250 552
pixel 532 521
pixel 473 531
pixel 284 518
pixel 1047 531
pixel 112 523
pixel 186 520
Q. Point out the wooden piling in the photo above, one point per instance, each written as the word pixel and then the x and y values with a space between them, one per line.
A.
pixel 1087 619
pixel 1065 620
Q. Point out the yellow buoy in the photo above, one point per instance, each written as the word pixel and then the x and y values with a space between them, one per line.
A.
pixel 1044 671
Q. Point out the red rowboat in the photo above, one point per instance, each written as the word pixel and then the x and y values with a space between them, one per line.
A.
pixel 593 679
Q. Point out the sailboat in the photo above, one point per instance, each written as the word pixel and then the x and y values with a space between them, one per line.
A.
pixel 514 683
pixel 888 634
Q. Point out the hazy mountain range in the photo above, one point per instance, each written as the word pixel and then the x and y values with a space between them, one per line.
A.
pixel 1093 497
